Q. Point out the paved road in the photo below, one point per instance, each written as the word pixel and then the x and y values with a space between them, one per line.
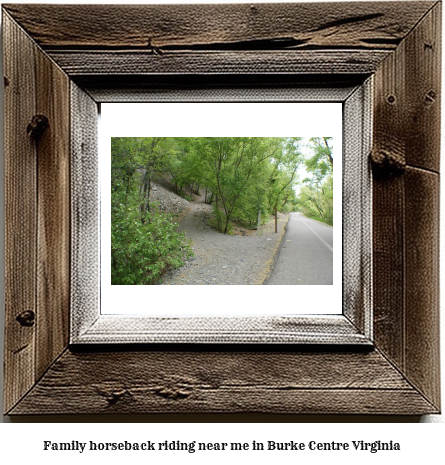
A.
pixel 306 254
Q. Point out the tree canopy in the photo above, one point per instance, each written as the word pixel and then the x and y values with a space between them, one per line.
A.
pixel 317 196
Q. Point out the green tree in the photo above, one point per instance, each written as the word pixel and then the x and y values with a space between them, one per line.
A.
pixel 284 176
pixel 316 197
pixel 144 242
pixel 233 166
pixel 321 163
pixel 317 202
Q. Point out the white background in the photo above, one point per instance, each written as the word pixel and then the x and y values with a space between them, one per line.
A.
pixel 219 120
pixel 23 443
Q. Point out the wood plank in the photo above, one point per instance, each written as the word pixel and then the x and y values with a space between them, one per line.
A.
pixel 85 205
pixel 78 63
pixel 423 92
pixel 407 113
pixel 218 87
pixel 388 268
pixel 357 209
pixel 388 154
pixel 113 329
pixel 53 236
pixel 20 213
pixel 223 382
pixel 253 400
pixel 406 208
pixel 422 281
pixel 364 25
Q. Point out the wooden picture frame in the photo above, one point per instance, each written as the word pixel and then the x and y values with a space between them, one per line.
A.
pixel 89 321
pixel 77 56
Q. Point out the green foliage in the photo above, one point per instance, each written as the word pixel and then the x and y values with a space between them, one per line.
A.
pixel 186 196
pixel 141 252
pixel 316 197
pixel 317 203
pixel 321 163
pixel 246 174
pixel 144 242
pixel 239 175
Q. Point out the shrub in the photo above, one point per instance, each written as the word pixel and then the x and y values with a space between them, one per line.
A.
pixel 141 252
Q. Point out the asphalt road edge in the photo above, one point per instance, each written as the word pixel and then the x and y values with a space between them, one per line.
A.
pixel 276 254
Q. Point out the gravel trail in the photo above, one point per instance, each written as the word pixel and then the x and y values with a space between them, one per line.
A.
pixel 222 259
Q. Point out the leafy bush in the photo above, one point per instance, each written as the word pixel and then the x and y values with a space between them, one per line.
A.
pixel 141 252
pixel 186 196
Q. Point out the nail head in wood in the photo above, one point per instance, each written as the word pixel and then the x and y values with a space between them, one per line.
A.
pixel 26 318
pixel 37 126
pixel 430 97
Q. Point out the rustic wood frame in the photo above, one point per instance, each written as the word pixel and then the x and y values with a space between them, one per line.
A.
pixel 99 49
pixel 89 324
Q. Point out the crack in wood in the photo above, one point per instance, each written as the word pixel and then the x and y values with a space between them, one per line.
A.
pixel 20 349
pixel 273 43
pixel 382 41
pixel 353 19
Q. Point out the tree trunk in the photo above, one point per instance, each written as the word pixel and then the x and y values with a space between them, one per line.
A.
pixel 145 194
pixel 217 213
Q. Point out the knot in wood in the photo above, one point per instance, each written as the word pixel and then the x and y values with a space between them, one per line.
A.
pixel 37 126
pixel 387 162
pixel 113 394
pixel 26 318
pixel 114 397
pixel 172 393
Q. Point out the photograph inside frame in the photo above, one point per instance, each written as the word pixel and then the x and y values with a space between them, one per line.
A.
pixel 191 195
pixel 222 210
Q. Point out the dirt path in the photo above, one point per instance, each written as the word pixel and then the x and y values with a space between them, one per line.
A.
pixel 222 259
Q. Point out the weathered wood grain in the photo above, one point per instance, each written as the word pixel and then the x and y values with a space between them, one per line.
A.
pixel 153 27
pixel 357 209
pixel 399 377
pixel 37 217
pixel 388 200
pixel 53 202
pixel 112 329
pixel 78 63
pixel 217 382
pixel 20 213
pixel 423 92
pixel 218 87
pixel 85 209
pixel 421 213
pixel 388 268
pixel 406 222
pixel 407 104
